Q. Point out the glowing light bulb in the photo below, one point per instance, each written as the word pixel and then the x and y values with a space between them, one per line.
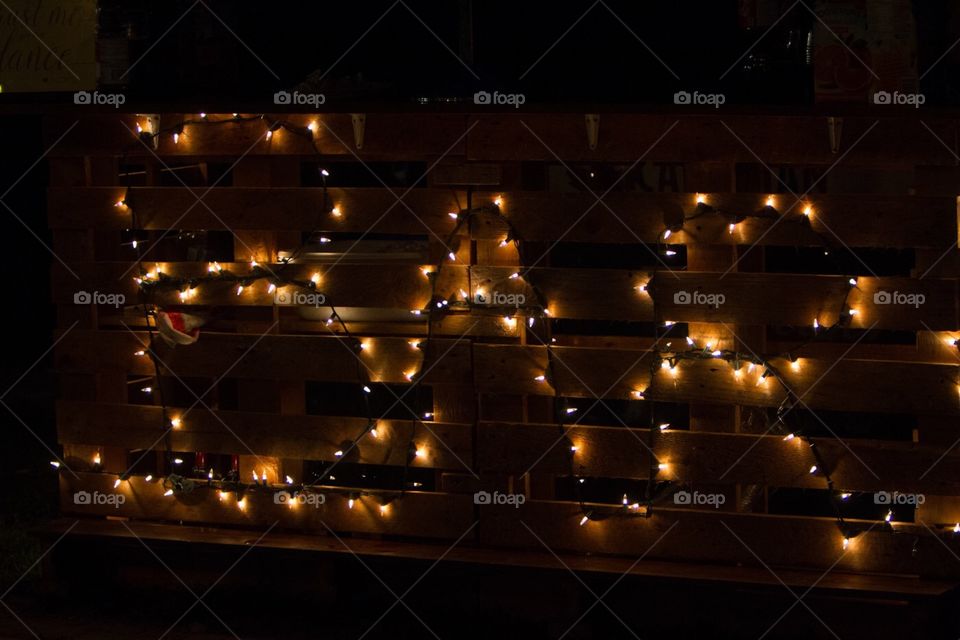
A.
pixel 168 492
pixel 116 483
pixel 452 256
pixel 271 288
pixel 175 423
pixel 514 275
pixel 54 464
pixel 268 135
pixel 716 353
pixel 428 415
pixel 816 324
pixel 795 365
pixel 889 516
pixel 853 312
pixel 338 453
pixel 808 211
pixel 312 127
pixel 571 410
pixel 788 437
pixel 498 201
pixel 731 227
pixel 530 321
pixel 147 389
pixel 288 479
pixel 846 542
pixel 503 243
pixel 223 495
pixel 373 433
pixel 256 478
pixel 770 202
pixel 540 378
pixel 315 278
pixel 701 199
pixel 120 203
pixel 365 345
pixel 366 389
pixel 426 271
pixel 664 426
pixel 853 282
pixel 140 353
pixel 148 477
pixel 625 501
pixel 453 214
pixel 844 496
pixel 176 138
pixel 956 528
pixel 242 504
pixel 663 466
pixel 409 375
pixel 637 394
pixel 813 469
pixel 666 234
pixel 383 509
pixel 641 288
pixel 415 312
pixel 350 503
pixel 239 289
pixel 420 452
pixel 583 520
pixel 574 448
pixel 668 323
pixel 335 212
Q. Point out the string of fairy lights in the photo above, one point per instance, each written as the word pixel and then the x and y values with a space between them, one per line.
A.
pixel 665 360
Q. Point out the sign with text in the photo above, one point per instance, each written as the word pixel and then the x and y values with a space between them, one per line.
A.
pixel 47 45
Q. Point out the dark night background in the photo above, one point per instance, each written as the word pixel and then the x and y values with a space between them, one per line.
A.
pixel 397 65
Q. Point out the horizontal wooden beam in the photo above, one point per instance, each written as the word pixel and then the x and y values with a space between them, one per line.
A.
pixel 834 582
pixel 414 515
pixel 844 385
pixel 609 294
pixel 622 217
pixel 304 437
pixel 893 140
pixel 718 537
pixel 710 459
pixel 677 534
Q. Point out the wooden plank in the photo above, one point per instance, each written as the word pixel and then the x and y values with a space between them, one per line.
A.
pixel 741 298
pixel 699 458
pixel 321 358
pixel 411 515
pixel 845 385
pixel 307 437
pixel 701 536
pixel 835 581
pixel 858 220
pixel 894 141
pixel 388 136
